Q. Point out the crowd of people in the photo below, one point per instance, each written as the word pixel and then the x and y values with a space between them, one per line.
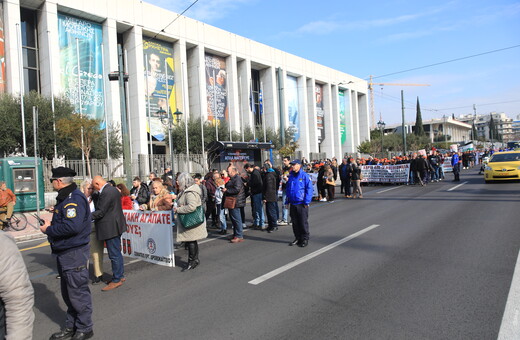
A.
pixel 89 218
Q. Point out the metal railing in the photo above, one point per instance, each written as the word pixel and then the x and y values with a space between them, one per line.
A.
pixel 113 168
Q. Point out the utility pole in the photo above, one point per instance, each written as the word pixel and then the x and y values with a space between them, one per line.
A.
pixel 403 123
pixel 120 76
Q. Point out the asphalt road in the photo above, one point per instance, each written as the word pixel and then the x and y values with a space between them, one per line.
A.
pixel 433 262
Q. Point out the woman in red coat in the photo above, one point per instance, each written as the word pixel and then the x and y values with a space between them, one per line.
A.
pixel 126 201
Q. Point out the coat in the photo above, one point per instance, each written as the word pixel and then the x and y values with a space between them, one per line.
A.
pixel 187 202
pixel 235 187
pixel 270 187
pixel 161 202
pixel 16 293
pixel 109 218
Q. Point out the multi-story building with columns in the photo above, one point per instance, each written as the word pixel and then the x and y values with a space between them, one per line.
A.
pixel 185 65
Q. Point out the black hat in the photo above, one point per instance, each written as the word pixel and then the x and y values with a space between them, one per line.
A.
pixel 61 171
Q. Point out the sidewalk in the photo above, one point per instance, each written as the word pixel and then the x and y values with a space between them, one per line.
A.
pixel 31 233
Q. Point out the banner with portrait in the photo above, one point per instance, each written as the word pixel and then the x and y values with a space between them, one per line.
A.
pixel 83 36
pixel 216 88
pixel 149 236
pixel 320 113
pixel 3 83
pixel 291 93
pixel 159 84
pixel 342 117
pixel 398 173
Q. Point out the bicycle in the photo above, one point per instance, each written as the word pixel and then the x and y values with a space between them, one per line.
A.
pixel 19 222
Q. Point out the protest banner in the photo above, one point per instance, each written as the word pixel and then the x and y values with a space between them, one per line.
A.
pixel 149 236
pixel 398 173
pixel 446 166
pixel 314 180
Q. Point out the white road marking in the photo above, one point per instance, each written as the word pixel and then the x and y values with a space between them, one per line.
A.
pixel 390 189
pixel 455 187
pixel 510 327
pixel 312 255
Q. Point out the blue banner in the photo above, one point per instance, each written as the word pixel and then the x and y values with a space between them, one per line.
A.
pixel 291 93
pixel 86 37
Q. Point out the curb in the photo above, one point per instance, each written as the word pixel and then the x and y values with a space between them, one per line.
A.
pixel 29 237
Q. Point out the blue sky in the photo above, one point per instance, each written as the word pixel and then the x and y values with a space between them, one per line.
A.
pixel 382 37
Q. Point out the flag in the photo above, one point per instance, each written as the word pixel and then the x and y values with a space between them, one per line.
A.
pixel 261 101
pixel 252 100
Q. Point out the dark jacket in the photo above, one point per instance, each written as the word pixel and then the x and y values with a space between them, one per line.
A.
pixel 71 221
pixel 345 171
pixel 421 164
pixel 270 190
pixel 211 187
pixel 142 193
pixel 109 218
pixel 235 188
pixel 255 182
pixel 356 172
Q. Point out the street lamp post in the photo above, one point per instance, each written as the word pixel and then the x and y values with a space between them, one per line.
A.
pixel 381 125
pixel 167 120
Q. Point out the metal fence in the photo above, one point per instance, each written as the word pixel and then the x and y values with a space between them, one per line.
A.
pixel 113 168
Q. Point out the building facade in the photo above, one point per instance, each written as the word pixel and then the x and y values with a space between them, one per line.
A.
pixel 68 47
pixel 503 123
pixel 444 129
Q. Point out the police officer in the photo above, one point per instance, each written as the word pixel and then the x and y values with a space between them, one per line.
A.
pixel 69 235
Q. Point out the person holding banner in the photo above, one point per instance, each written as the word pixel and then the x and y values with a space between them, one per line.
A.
pixel 188 200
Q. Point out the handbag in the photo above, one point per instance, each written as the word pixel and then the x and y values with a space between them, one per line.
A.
pixel 192 219
pixel 230 202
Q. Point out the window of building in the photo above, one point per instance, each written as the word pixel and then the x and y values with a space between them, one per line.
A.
pixel 255 79
pixel 31 67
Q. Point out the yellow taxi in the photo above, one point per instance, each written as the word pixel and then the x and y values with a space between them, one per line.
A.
pixel 503 166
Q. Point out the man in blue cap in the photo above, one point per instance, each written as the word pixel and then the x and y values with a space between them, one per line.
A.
pixel 69 236
pixel 299 193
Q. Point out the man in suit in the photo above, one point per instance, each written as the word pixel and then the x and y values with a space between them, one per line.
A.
pixel 110 224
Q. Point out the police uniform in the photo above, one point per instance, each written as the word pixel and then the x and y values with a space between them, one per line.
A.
pixel 69 236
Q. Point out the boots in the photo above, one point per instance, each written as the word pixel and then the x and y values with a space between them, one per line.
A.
pixel 193 255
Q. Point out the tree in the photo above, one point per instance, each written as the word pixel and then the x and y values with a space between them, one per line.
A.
pixel 99 147
pixel 11 127
pixel 46 136
pixel 73 126
pixel 419 128
pixel 493 130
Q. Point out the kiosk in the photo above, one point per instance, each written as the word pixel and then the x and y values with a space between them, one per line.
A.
pixel 220 154
pixel 24 177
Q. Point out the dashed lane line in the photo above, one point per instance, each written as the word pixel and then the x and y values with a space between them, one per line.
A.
pixel 510 327
pixel 308 257
pixel 457 186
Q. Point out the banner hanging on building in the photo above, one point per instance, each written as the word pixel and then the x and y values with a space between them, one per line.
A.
pixel 86 37
pixel 3 83
pixel 159 83
pixel 291 93
pixel 398 173
pixel 216 88
pixel 149 236
pixel 320 113
pixel 342 122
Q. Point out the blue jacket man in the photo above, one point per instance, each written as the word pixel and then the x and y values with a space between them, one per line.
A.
pixel 299 193
pixel 69 236
pixel 456 166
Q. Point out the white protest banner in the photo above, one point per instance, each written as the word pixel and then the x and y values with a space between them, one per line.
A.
pixel 149 236
pixel 454 148
pixel 398 173
pixel 314 180
pixel 422 152
pixel 446 166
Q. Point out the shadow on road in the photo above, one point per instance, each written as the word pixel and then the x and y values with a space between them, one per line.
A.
pixel 48 304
